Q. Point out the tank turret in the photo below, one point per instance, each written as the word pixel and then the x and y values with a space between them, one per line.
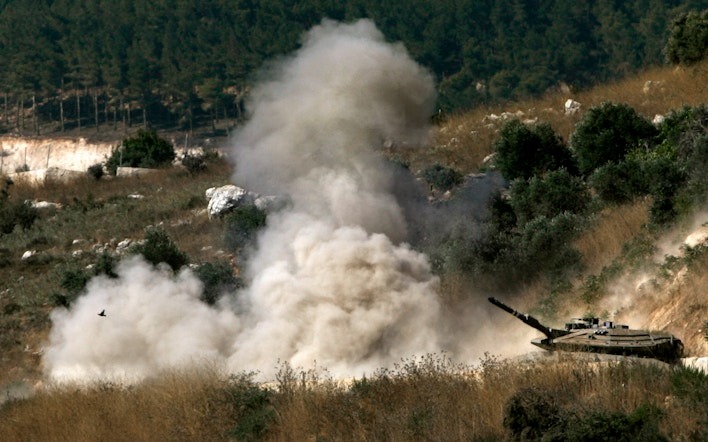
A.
pixel 589 335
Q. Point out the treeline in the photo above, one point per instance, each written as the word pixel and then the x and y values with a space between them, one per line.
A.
pixel 72 63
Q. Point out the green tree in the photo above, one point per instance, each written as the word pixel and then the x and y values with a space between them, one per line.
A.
pixel 549 195
pixel 158 247
pixel 688 42
pixel 146 149
pixel 607 133
pixel 524 151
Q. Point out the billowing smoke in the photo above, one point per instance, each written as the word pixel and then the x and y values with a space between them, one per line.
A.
pixel 331 281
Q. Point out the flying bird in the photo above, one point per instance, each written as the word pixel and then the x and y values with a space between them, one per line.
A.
pixel 103 313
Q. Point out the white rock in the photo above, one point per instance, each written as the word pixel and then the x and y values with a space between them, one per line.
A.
pixel 658 119
pixel 28 254
pixel 571 106
pixel 228 197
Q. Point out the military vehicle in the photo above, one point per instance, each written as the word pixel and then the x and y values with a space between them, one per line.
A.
pixel 589 335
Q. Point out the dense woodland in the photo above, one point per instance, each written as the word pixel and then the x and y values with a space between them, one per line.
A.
pixel 179 63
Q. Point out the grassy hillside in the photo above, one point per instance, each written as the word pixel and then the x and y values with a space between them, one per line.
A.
pixel 430 398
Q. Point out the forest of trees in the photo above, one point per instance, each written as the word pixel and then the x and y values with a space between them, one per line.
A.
pixel 65 64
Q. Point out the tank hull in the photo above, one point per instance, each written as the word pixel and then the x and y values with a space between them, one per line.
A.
pixel 626 342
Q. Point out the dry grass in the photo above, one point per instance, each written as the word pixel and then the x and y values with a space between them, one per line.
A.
pixel 428 398
pixel 175 406
pixel 613 228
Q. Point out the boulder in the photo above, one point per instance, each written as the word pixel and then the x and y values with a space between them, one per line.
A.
pixel 226 198
pixel 571 107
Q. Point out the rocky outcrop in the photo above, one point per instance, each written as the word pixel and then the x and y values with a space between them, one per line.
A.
pixel 34 154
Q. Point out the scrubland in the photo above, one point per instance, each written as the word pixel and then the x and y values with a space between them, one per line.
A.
pixel 429 398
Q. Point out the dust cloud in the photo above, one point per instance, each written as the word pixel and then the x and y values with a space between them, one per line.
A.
pixel 331 281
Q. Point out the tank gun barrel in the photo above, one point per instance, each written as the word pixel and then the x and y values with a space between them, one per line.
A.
pixel 528 320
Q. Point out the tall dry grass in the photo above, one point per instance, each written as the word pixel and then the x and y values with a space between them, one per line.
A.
pixel 612 229
pixel 427 398
pixel 174 406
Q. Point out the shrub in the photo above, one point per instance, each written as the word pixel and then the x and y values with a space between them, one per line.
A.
pixel 683 132
pixel 158 248
pixel 95 171
pixel 688 42
pixel 74 282
pixel 217 278
pixel 524 151
pixel 548 195
pixel 194 163
pixel 442 178
pixel 531 413
pixel 241 226
pixel 641 424
pixel 254 412
pixel 607 133
pixel 14 214
pixel 146 149
pixel 619 182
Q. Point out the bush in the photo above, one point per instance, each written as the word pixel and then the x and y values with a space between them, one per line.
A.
pixel 533 414
pixel 95 171
pixel 688 42
pixel 194 163
pixel 146 149
pixel 619 183
pixel 74 282
pixel 524 151
pixel 607 133
pixel 683 131
pixel 241 226
pixel 20 213
pixel 530 413
pixel 254 412
pixel 217 278
pixel 442 178
pixel 158 248
pixel 549 196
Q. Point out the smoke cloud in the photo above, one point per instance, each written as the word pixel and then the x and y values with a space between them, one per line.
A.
pixel 331 281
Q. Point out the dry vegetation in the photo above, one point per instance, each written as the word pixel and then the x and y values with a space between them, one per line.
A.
pixel 426 399
pixel 423 399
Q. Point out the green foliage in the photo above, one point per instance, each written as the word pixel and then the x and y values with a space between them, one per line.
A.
pixel 145 149
pixel 194 163
pixel 74 282
pixel 217 278
pixel 158 248
pixel 254 412
pixel 684 135
pixel 442 178
pixel 533 414
pixel 548 196
pixel 688 42
pixel 530 413
pixel 524 151
pixel 95 171
pixel 607 133
pixel 241 226
pixel 691 385
pixel 187 63
pixel 16 214
pixel 619 183
pixel 505 260
pixel 641 424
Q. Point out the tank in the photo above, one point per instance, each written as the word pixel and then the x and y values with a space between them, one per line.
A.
pixel 592 336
